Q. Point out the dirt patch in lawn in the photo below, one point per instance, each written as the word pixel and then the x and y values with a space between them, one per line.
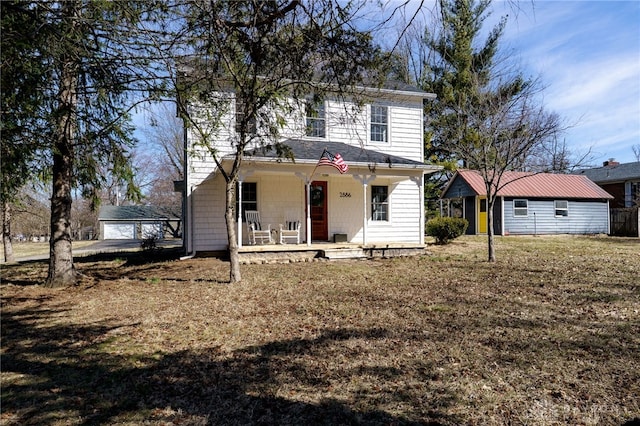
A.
pixel 550 334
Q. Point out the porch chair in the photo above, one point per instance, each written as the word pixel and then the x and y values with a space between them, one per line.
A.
pixel 290 232
pixel 257 232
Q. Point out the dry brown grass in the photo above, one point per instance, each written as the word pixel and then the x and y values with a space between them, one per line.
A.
pixel 26 249
pixel 549 335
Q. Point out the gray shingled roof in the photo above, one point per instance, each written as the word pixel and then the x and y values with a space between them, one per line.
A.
pixel 136 213
pixel 311 150
pixel 617 173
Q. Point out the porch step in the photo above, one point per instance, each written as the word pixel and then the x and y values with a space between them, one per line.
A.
pixel 343 253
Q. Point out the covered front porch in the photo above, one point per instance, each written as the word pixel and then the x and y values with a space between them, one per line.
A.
pixel 375 206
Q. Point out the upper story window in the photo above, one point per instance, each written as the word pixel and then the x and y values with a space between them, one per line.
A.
pixel 561 207
pixel 379 202
pixel 241 113
pixel 520 207
pixel 379 131
pixel 316 122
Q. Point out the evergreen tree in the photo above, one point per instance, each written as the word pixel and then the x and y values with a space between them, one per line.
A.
pixel 487 116
pixel 84 62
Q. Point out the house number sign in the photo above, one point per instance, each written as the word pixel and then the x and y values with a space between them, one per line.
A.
pixel 345 195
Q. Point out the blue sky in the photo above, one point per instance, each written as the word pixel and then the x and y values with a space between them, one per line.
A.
pixel 587 54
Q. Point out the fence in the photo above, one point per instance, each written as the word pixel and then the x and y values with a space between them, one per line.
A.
pixel 625 222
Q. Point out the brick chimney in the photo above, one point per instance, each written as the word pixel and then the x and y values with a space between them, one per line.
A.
pixel 610 163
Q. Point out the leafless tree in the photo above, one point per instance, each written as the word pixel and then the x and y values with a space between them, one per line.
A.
pixel 636 151
pixel 264 56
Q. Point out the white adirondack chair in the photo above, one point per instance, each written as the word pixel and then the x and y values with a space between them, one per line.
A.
pixel 258 233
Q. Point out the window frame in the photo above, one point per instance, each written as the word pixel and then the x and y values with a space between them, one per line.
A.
pixel 383 125
pixel 520 208
pixel 318 109
pixel 379 209
pixel 252 127
pixel 248 188
pixel 561 209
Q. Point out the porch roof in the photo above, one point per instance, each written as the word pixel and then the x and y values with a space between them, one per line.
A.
pixel 309 152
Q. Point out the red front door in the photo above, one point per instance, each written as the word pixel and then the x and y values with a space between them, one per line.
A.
pixel 319 225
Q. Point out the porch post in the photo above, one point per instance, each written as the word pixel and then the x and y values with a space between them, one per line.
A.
pixel 365 182
pixel 307 208
pixel 364 212
pixel 420 182
pixel 239 221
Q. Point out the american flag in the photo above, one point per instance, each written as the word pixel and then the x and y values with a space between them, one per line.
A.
pixel 333 160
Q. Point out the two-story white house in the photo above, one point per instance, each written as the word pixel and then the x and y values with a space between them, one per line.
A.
pixel 378 200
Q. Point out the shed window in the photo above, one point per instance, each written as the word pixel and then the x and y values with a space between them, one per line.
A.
pixel 520 207
pixel 379 203
pixel 562 207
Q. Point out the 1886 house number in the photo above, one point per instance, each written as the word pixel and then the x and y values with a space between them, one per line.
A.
pixel 345 195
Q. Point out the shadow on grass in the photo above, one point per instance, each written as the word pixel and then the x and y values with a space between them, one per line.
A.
pixel 33 272
pixel 64 374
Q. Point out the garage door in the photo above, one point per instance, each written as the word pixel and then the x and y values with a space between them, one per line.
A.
pixel 152 230
pixel 119 231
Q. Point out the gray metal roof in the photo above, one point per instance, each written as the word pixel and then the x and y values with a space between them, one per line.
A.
pixel 306 151
pixel 121 213
pixel 614 173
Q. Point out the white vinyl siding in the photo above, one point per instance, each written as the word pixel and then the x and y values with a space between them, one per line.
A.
pixel 586 217
pixel 404 215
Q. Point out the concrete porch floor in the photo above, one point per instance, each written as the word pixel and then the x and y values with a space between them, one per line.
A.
pixel 284 253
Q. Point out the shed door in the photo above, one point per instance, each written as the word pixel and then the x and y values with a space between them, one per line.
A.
pixel 319 222
pixel 482 215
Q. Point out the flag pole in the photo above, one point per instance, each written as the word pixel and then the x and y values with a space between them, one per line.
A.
pixel 314 169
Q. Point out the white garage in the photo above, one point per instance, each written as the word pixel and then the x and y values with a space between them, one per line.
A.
pixel 136 222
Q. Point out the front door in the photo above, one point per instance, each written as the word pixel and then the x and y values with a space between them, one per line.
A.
pixel 482 215
pixel 319 223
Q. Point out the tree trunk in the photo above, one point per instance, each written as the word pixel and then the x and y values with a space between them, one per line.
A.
pixel 61 269
pixel 6 232
pixel 234 257
pixel 490 240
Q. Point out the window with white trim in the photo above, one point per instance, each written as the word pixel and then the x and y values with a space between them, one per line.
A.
pixel 315 116
pixel 249 197
pixel 241 113
pixel 521 208
pixel 379 203
pixel 379 131
pixel 561 207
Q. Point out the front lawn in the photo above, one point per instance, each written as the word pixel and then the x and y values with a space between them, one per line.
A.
pixel 548 335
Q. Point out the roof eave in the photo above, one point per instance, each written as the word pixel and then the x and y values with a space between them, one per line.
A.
pixel 396 166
